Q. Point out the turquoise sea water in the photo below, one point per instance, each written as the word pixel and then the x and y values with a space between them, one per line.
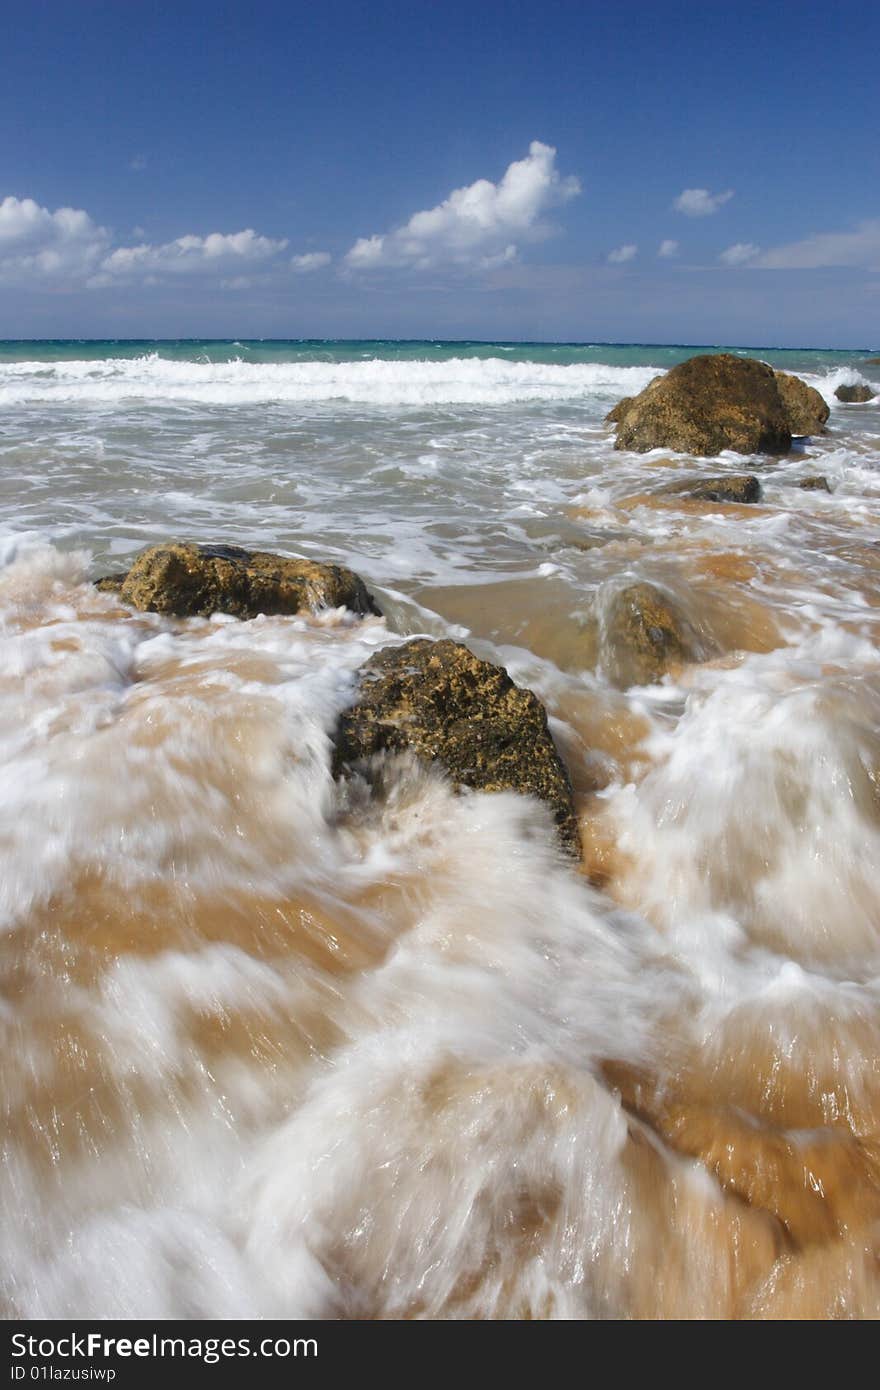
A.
pixel 349 350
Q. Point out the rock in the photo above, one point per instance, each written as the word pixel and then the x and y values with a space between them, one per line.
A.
pixel 854 395
pixel 446 705
pixel 735 487
pixel 816 484
pixel 705 405
pixel 619 410
pixel 807 410
pixel 109 583
pixel 873 361
pixel 642 634
pixel 185 581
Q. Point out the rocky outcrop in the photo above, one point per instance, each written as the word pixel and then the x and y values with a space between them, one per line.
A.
pixel 819 483
pixel 706 405
pixel 447 706
pixel 643 635
pixel 854 395
pixel 734 487
pixel 807 409
pixel 619 411
pixel 186 581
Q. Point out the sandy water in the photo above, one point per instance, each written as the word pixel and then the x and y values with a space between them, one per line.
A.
pixel 276 1046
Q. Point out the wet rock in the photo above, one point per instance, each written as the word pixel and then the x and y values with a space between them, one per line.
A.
pixel 706 405
pixel 807 409
pixel 446 705
pixel 184 581
pixel 735 487
pixel 619 410
pixel 642 635
pixel 109 583
pixel 854 395
pixel 817 484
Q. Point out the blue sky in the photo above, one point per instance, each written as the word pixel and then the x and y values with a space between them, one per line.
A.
pixel 445 170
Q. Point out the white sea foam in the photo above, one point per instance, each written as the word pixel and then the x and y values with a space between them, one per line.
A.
pixel 826 383
pixel 378 382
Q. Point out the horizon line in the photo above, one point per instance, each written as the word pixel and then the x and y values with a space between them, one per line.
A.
pixel 440 342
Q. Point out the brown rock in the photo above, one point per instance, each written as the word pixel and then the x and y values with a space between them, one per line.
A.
pixel 187 581
pixel 642 634
pixel 734 487
pixel 854 395
pixel 705 405
pixel 109 583
pixel 618 411
pixel 807 410
pixel 446 705
pixel 817 484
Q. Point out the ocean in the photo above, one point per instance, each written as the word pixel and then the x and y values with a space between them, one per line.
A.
pixel 275 1046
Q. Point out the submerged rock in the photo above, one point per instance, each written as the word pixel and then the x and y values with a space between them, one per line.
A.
pixel 817 484
pixel 185 581
pixel 642 634
pixel 734 487
pixel 446 705
pixel 854 395
pixel 706 405
pixel 807 409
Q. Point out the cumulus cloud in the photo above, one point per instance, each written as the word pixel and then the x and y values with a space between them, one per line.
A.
pixel 741 253
pixel 67 249
pixel 191 255
pixel 667 249
pixel 699 202
pixel 39 247
pixel 859 249
pixel 477 226
pixel 311 260
pixel 623 254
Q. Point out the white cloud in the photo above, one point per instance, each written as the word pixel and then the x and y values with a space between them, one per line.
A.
pixel 505 257
pixel 667 249
pixel 699 202
pixel 623 254
pixel 42 247
pixel 741 253
pixel 66 249
pixel 190 255
pixel 477 226
pixel 858 249
pixel 311 260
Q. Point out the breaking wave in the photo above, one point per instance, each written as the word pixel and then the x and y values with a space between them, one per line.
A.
pixel 376 382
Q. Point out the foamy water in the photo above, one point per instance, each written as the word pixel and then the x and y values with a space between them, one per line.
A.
pixel 377 382
pixel 281 1046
